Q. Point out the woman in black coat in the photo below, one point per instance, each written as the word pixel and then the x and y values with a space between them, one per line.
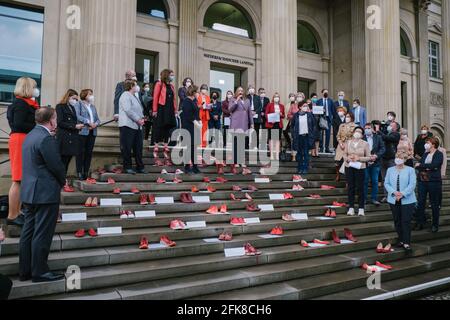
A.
pixel 190 121
pixel 68 128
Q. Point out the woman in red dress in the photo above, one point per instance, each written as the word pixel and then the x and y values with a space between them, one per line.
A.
pixel 21 121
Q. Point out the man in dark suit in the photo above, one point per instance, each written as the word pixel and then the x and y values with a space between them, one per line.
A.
pixel 341 102
pixel 120 88
pixel 264 102
pixel 43 178
pixel 329 113
pixel 377 149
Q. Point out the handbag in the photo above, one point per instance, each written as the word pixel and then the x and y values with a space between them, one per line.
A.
pixel 323 123
pixel 342 169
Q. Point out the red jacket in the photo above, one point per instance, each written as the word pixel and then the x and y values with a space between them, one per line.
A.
pixel 271 109
pixel 159 96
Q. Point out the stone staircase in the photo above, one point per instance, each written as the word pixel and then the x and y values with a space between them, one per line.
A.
pixel 114 268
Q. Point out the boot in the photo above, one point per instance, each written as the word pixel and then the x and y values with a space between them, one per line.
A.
pixel 338 174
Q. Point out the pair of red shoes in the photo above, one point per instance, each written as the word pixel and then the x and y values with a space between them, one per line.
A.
pixel 382 249
pixel 253 208
pixel 211 189
pixel 288 196
pixel 226 236
pixel 339 204
pixel 215 210
pixel 82 233
pixel 251 250
pixel 237 189
pixel 348 234
pixel 167 242
pixel 195 189
pixel 111 181
pixel 91 203
pixel 117 170
pixel 330 213
pixel 277 231
pixel 127 215
pixel 177 180
pixel 206 180
pixel 237 221
pixel 160 181
pixel 366 267
pixel 186 198
pixel 147 199
pixel 91 181
pixel 177 225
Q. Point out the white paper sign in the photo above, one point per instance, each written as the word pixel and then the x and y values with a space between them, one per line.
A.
pixel 324 218
pixel 252 220
pixel 266 207
pixel 355 165
pixel 235 252
pixel 227 122
pixel 317 245
pixel 300 216
pixel 110 202
pixel 276 197
pixel 74 217
pixel 164 200
pixel 269 236
pixel 154 246
pixel 345 241
pixel 145 214
pixel 195 224
pixel 273 117
pixel 262 180
pixel 198 199
pixel 319 110
pixel 109 231
pixel 213 240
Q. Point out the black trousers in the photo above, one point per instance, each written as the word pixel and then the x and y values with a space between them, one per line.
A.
pixel 434 190
pixel 66 161
pixel 147 129
pixel 402 219
pixel 258 138
pixel 131 141
pixel 287 136
pixel 355 180
pixel 235 138
pixel 5 287
pixel 36 239
pixel 84 156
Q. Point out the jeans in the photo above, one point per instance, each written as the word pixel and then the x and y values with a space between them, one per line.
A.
pixel 402 220
pixel 355 180
pixel 372 174
pixel 303 153
pixel 434 189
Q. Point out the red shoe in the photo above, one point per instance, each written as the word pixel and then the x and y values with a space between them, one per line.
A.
pixel 366 267
pixel 234 170
pixel 68 189
pixel 304 244
pixel 297 187
pixel 317 241
pixel 325 187
pixel 380 248
pixel 91 181
pixel 177 180
pixel 387 249
pixel 159 163
pixel 237 221
pixel 179 172
pixel 384 266
pixel 220 170
pixel 213 210
pixel 151 199
pixel 144 244
pixel 177 225
pixel 252 188
pixel 221 180
pixel 287 217
pixel 167 242
pixel 237 188
pixel 194 189
pixel 288 196
pixel 93 233
pixel 315 196
pixel 277 231
pixel 222 237
pixel 248 197
pixel 185 198
pixel 117 191
pixel 88 202
pixel 297 179
pixel 349 235
pixel 233 197
pixel 94 203
pixel 223 209
pixel 160 181
pixel 328 213
pixel 101 171
pixel 333 214
pixel 251 251
pixel 338 204
pixel 80 233
pixel 335 237
pixel 228 236
pixel 211 189
pixel 111 181
pixel 143 200
pixel 156 152
pixel 253 208
pixel 168 163
pixel 135 190
pixel 206 180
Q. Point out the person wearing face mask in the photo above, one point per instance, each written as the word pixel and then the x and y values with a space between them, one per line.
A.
pixel 292 106
pixel 293 110
pixel 329 113
pixel 400 185
pixel 68 128
pixel 226 114
pixel 146 99
pixel 377 148
pixel 182 92
pixel 164 115
pixel 337 122
pixel 341 102
pixel 265 101
pixel 256 107
pixel 43 178
pixel 21 120
pixel 391 117
pixel 277 110
pixel 317 131
pixel 131 122
pixel 356 156
pixel 344 135
pixel 419 145
pixel 430 182
pixel 360 113
pixel 204 106
pixel 87 116
pixel 120 88
pixel 391 140
pixel 406 148
pixel 216 112
pixel 302 127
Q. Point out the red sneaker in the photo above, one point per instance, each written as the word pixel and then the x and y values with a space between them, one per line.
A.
pixel 335 237
pixel 144 244
pixel 220 170
pixel 288 196
pixel 349 235
pixel 116 191
pixel 151 199
pixel 211 189
pixel 237 188
pixel 135 190
pixel 143 200
pixel 221 180
pixel 298 178
pixel 251 251
pixel 213 210
pixel 68 189
pixel 333 214
pixel 206 180
pixel 328 213
pixel 317 241
pixel 160 181
pixel 80 233
pixel 167 242
pixel 194 189
pixel 366 267
pixel 237 221
pixel 111 181
pixel 222 237
pixel 234 170
pixel 177 225
pixel 277 231
pixel 297 187
pixel 93 233
pixel 91 181
pixel 253 208
pixel 384 266
pixel 315 196
pixel 228 236
pixel 223 209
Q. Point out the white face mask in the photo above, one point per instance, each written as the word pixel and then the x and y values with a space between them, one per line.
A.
pixel 276 100
pixel 341 114
pixel 73 102
pixel 188 84
pixel 263 95
pixel 147 89
pixel 399 162
pixel 391 118
pixel 427 146
pixel 91 99
pixel 205 92
pixel 292 99
pixel 355 106
pixel 424 132
pixel 357 135
pixel 36 93
pixel 251 91
pixel 305 109
pixel 369 132
pixel 341 98
pixel 230 96
pixel 137 89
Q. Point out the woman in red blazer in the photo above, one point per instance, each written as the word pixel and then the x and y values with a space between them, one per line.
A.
pixel 275 107
pixel 164 114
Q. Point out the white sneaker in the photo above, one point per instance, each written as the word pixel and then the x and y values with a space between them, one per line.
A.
pixel 361 213
pixel 351 212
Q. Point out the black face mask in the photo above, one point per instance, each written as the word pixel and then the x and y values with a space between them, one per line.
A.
pixel 325 95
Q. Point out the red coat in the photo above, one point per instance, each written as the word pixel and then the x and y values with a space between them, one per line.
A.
pixel 159 96
pixel 271 109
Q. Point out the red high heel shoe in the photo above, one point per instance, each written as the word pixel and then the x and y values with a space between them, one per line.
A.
pixel 349 235
pixel 335 237
pixel 317 241
pixel 384 266
pixel 237 189
pixel 224 209
pixel 144 244
pixel 234 170
pixel 213 210
pixel 88 202
pixel 94 203
pixel 80 233
pixel 143 200
pixel 387 249
pixel 380 248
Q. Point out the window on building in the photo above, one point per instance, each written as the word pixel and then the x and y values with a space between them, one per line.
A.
pixel 403 45
pixel 228 18
pixel 21 47
pixel 434 57
pixel 146 67
pixel 306 40
pixel 153 8
pixel 305 86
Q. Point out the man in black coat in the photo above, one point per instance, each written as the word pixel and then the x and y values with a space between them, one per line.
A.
pixel 120 88
pixel 43 178
pixel 264 102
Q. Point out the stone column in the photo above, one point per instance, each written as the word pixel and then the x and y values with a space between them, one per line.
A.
pixel 383 62
pixel 188 31
pixel 103 49
pixel 279 47
pixel 358 9
pixel 446 67
pixel 423 114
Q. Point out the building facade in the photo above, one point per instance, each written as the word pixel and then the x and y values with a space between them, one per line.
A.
pixel 392 54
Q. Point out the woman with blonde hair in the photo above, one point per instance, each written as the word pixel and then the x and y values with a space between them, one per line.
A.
pixel 21 121
pixel 406 148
